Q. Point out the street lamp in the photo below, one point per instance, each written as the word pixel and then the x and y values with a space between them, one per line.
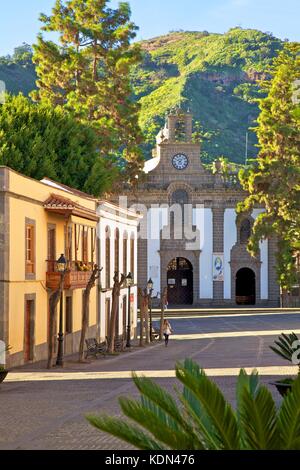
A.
pixel 129 283
pixel 150 289
pixel 61 268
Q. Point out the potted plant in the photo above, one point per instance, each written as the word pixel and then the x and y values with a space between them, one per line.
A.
pixel 3 371
pixel 286 347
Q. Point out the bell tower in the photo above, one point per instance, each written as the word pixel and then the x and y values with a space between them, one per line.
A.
pixel 180 126
pixel 177 153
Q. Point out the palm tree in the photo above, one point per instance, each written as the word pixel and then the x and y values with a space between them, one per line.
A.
pixel 201 418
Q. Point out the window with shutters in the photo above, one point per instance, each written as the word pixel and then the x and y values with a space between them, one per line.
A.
pixel 125 254
pixel 132 257
pixel 117 250
pixel 85 254
pixel 30 249
pixel 107 258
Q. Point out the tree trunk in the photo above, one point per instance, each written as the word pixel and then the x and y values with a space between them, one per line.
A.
pixel 86 308
pixel 162 317
pixel 53 302
pixel 114 310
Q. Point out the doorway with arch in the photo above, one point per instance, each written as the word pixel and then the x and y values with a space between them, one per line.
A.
pixel 180 282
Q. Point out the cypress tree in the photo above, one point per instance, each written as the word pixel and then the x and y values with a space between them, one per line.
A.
pixel 274 179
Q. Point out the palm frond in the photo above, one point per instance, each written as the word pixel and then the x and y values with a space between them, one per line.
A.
pixel 160 402
pixel 284 346
pixel 289 418
pixel 257 417
pixel 125 431
pixel 216 408
pixel 196 412
pixel 160 425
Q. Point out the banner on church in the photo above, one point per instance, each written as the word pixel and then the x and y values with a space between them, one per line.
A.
pixel 218 267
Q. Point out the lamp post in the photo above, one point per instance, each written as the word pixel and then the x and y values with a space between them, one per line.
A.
pixel 61 268
pixel 150 289
pixel 129 282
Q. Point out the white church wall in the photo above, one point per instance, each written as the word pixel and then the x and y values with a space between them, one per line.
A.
pixel 203 220
pixel 156 219
pixel 230 239
pixel 264 276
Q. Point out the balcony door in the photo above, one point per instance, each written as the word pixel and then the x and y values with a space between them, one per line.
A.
pixel 29 324
pixel 51 242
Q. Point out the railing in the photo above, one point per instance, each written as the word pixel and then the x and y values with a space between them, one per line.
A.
pixel 76 277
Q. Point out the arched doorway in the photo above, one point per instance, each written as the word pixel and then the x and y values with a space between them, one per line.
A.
pixel 245 287
pixel 180 282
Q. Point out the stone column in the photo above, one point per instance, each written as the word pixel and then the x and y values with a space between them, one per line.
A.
pixel 218 247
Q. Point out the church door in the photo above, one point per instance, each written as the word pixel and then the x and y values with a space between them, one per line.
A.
pixel 245 287
pixel 180 282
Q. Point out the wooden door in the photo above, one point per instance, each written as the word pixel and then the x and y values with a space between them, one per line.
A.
pixel 29 330
pixel 124 308
pixel 180 282
pixel 107 317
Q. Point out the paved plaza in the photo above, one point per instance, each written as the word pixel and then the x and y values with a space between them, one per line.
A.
pixel 42 409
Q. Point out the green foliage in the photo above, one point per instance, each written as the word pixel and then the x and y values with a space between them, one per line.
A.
pixel 18 71
pixel 39 141
pixel 215 75
pixel 203 419
pixel 274 179
pixel 87 72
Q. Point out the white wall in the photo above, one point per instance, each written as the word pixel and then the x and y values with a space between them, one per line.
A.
pixel 203 220
pixel 264 272
pixel 130 227
pixel 156 219
pixel 230 239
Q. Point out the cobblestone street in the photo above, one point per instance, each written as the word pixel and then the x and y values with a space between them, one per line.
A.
pixel 42 409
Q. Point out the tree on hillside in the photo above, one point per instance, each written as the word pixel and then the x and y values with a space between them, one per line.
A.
pixel 39 141
pixel 88 72
pixel 23 54
pixel 274 180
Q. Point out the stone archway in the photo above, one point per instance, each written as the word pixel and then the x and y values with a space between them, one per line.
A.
pixel 180 282
pixel 245 287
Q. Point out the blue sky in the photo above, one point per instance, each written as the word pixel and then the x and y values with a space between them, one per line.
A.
pixel 19 18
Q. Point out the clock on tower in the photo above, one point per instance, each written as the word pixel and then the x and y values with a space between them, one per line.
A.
pixel 180 161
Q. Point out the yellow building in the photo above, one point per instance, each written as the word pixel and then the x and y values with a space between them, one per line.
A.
pixel 39 221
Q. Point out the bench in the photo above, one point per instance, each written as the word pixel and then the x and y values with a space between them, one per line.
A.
pixel 155 333
pixel 94 348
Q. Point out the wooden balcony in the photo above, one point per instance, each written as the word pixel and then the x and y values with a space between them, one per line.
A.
pixel 74 278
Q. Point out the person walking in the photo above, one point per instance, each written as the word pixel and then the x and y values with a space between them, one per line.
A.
pixel 167 331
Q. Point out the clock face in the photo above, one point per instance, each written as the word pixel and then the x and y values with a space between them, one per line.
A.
pixel 180 161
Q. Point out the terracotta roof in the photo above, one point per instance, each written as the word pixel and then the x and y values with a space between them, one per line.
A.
pixel 64 206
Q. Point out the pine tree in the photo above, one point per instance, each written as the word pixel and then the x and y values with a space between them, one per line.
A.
pixel 274 180
pixel 88 72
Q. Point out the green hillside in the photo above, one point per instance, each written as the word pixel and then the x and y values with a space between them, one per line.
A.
pixel 212 74
pixel 18 78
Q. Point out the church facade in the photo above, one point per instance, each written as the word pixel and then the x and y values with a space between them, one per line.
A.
pixel 191 240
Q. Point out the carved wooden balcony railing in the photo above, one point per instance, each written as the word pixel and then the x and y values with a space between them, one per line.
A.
pixel 74 278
